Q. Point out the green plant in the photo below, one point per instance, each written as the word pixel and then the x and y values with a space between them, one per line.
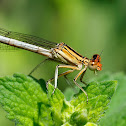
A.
pixel 28 102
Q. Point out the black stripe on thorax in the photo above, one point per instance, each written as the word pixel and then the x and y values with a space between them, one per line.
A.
pixel 73 51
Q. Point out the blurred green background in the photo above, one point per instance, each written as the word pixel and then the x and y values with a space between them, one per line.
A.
pixel 88 26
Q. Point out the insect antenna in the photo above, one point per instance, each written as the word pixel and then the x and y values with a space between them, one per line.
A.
pixel 101 53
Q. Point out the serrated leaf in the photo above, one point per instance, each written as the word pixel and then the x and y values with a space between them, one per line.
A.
pixel 99 97
pixel 116 115
pixel 27 102
pixel 56 102
pixel 20 96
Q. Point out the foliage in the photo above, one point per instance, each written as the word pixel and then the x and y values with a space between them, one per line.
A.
pixel 116 116
pixel 28 103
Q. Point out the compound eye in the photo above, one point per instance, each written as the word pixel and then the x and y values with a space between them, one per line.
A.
pixel 94 56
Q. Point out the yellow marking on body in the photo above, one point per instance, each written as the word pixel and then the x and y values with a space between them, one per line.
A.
pixel 68 54
pixel 74 53
pixel 64 51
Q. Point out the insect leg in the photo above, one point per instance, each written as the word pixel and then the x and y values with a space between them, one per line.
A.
pixel 38 66
pixel 82 75
pixel 56 73
pixel 62 74
pixel 75 79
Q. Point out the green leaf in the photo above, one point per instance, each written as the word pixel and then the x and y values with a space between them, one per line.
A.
pixel 28 103
pixel 116 114
pixel 99 97
pixel 21 97
pixel 90 124
pixel 56 102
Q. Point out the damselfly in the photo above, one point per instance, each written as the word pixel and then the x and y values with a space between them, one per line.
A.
pixel 60 52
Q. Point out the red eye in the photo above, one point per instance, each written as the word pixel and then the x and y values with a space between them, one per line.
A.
pixel 95 63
